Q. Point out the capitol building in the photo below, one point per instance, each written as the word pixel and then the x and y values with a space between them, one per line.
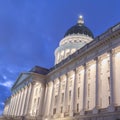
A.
pixel 84 83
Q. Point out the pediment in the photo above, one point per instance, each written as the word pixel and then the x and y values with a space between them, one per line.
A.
pixel 21 78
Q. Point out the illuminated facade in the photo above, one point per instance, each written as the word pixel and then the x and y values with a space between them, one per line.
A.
pixel 83 84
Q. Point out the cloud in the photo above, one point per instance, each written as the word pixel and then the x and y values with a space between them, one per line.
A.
pixel 7 84
pixel 1 112
pixel 2 103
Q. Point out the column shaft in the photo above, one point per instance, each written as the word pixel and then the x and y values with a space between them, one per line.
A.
pixel 28 98
pixel 53 97
pixel 112 79
pixel 18 104
pixel 66 96
pixel 73 95
pixel 59 94
pixel 84 90
pixel 25 100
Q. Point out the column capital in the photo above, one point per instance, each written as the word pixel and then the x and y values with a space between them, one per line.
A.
pixel 67 74
pixel 85 65
pixel 50 83
pixel 75 70
pixel 59 78
pixel 111 52
pixel 33 82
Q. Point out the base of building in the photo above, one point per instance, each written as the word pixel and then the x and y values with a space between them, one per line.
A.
pixel 95 110
pixel 110 113
pixel 111 108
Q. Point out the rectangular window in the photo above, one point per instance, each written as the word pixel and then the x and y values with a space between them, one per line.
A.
pixel 88 73
pixel 61 109
pixel 70 82
pixel 62 98
pixel 68 108
pixel 78 92
pixel 35 101
pixel 56 99
pixel 38 100
pixel 88 104
pixel 100 101
pixel 109 99
pixel 77 107
pixel 54 111
pixel 79 78
pixel 88 90
pixel 70 95
pixel 109 83
pixel 36 91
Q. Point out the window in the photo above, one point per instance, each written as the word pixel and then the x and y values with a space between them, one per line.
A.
pixel 63 86
pixel 38 101
pixel 61 109
pixel 54 111
pixel 79 78
pixel 108 63
pixel 79 92
pixel 88 90
pixel 100 101
pixel 70 95
pixel 88 73
pixel 68 108
pixel 109 83
pixel 56 99
pixel 36 91
pixel 109 99
pixel 39 90
pixel 70 83
pixel 62 98
pixel 108 69
pixel 88 104
pixel 77 107
pixel 34 101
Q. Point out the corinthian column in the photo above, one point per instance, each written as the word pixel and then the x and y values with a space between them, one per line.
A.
pixel 17 102
pixel 25 100
pixel 19 106
pixel 84 91
pixel 73 94
pixel 59 97
pixel 21 100
pixel 51 104
pixel 30 98
pixel 112 80
pixel 66 95
pixel 46 100
pixel 97 86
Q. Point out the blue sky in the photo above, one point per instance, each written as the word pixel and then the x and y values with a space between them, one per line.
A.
pixel 30 30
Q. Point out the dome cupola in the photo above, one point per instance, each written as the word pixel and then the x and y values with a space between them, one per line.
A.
pixel 79 28
pixel 75 38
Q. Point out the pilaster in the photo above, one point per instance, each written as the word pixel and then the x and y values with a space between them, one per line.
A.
pixel 97 86
pixel 59 97
pixel 84 90
pixel 66 96
pixel 111 107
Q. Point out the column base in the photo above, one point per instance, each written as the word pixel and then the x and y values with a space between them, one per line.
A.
pixel 111 108
pixel 82 112
pixel 62 115
pixel 95 110
pixel 71 114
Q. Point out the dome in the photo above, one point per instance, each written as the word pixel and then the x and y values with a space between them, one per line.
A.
pixel 79 28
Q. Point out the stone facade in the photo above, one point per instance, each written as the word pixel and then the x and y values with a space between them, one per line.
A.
pixel 81 86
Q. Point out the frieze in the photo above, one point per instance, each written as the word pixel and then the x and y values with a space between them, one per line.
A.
pixel 117 27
